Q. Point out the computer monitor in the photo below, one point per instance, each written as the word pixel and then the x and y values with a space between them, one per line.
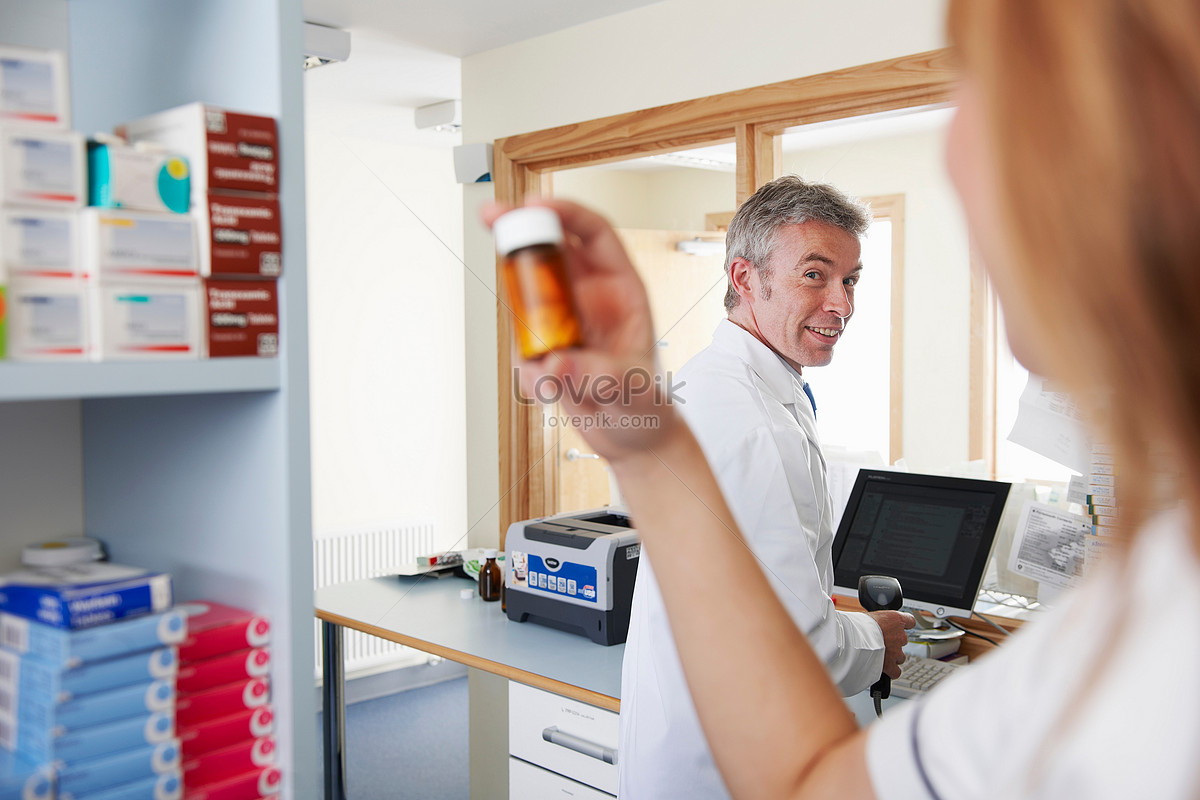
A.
pixel 930 532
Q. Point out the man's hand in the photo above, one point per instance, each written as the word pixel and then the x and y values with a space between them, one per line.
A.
pixel 893 624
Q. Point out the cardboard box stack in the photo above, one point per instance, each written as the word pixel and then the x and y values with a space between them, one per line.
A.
pixel 226 723
pixel 43 183
pixel 235 205
pixel 177 254
pixel 88 662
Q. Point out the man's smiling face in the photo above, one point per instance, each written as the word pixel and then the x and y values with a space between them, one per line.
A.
pixel 802 306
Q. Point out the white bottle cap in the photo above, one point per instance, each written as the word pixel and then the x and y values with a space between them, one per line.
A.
pixel 489 554
pixel 527 226
pixel 61 553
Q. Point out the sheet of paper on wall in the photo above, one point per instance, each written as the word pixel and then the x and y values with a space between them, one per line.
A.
pixel 1051 545
pixel 841 470
pixel 1077 490
pixel 1050 424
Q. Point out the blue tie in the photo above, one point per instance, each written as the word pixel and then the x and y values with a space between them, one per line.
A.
pixel 811 399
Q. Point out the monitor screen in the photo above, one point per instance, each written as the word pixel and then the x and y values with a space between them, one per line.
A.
pixel 932 533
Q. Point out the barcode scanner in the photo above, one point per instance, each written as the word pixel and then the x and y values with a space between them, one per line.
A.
pixel 880 593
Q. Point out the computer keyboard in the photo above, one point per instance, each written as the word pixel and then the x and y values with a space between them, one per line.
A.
pixel 918 675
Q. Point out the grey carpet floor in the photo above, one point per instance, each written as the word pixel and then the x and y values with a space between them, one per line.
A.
pixel 412 744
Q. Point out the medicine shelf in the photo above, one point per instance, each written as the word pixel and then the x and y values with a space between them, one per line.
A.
pixel 57 381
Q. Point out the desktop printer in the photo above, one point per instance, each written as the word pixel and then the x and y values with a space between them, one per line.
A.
pixel 574 572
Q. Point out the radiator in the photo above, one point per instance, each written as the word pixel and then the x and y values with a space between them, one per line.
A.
pixel 369 553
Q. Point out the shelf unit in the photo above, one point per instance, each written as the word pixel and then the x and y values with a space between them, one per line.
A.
pixel 198 468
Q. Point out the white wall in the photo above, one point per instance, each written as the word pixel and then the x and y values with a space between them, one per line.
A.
pixel 672 199
pixel 678 50
pixel 386 325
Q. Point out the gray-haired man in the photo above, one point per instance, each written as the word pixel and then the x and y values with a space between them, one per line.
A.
pixel 792 261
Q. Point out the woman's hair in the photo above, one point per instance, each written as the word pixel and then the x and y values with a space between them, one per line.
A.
pixel 1093 112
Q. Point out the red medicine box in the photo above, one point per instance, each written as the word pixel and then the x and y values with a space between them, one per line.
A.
pixel 197 676
pixel 222 701
pixel 218 734
pixel 215 629
pixel 261 782
pixel 229 762
pixel 241 317
pixel 240 235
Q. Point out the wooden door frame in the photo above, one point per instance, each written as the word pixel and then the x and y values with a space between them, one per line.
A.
pixel 891 208
pixel 752 118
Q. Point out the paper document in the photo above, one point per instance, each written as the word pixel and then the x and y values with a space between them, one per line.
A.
pixel 1050 424
pixel 1050 545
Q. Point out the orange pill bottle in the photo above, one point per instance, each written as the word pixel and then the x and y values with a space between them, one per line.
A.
pixel 535 281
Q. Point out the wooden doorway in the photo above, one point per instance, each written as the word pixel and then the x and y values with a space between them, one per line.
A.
pixel 754 119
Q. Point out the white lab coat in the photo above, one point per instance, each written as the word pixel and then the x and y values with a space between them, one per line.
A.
pixel 1097 700
pixel 756 426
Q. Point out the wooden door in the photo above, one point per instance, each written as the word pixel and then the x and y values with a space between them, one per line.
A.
pixel 687 299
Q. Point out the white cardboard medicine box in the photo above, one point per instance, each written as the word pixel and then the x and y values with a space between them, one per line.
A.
pixel 40 243
pixel 48 320
pixel 139 320
pixel 138 245
pixel 42 168
pixel 33 88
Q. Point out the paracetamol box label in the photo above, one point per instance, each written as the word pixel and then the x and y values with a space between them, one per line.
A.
pixel 48 320
pixel 241 317
pixel 33 88
pixel 39 243
pixel 240 235
pixel 42 168
pixel 129 245
pixel 148 320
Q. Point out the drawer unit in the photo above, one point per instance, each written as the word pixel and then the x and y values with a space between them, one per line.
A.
pixel 562 735
pixel 527 781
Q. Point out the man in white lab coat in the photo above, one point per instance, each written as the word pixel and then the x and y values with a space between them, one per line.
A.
pixel 792 260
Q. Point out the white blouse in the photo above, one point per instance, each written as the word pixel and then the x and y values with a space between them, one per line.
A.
pixel 1099 699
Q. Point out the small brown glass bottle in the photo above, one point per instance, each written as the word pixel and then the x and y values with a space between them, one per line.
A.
pixel 489 577
pixel 535 281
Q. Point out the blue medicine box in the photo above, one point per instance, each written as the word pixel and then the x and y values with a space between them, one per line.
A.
pixel 168 786
pixel 95 741
pixel 25 779
pixel 117 771
pixel 38 711
pixel 82 595
pixel 67 649
pixel 30 675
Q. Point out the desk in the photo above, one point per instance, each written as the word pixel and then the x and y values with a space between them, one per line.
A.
pixel 428 614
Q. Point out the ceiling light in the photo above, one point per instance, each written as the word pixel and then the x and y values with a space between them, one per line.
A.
pixel 681 160
pixel 701 247
pixel 445 117
pixel 324 45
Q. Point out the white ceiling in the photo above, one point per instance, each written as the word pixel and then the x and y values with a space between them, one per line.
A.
pixel 404 55
pixel 409 54
pixel 462 27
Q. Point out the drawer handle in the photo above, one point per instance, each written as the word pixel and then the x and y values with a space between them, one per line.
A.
pixel 580 745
